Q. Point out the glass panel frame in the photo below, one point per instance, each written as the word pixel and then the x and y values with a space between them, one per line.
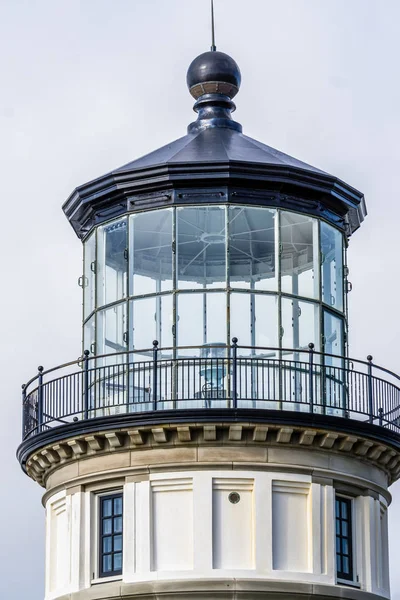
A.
pixel 112 262
pixel 332 267
pixel 89 275
pixel 253 248
pixel 201 251
pixel 299 255
pixel 151 252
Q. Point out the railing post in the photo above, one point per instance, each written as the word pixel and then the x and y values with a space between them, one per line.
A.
pixel 40 400
pixel 380 413
pixel 24 411
pixel 155 373
pixel 86 384
pixel 311 376
pixel 234 371
pixel 370 394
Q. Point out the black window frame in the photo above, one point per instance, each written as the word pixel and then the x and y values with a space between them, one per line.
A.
pixel 102 517
pixel 342 524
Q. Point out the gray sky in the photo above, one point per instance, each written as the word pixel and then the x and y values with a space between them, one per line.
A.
pixel 89 85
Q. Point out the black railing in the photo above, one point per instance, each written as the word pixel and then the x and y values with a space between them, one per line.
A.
pixel 211 376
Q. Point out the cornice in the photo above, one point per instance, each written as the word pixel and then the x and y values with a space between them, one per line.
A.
pixel 46 460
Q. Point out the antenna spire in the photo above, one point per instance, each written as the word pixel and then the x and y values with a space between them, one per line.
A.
pixel 213 46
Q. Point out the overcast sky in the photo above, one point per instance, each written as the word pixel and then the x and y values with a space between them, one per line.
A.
pixel 86 86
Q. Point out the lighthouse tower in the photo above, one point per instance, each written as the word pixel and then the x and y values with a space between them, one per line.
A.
pixel 214 440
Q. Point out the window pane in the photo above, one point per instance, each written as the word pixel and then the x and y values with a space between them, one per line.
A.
pixel 118 506
pixel 152 320
pixel 254 320
pixel 333 336
pixel 332 266
pixel 201 319
pixel 300 324
pixel 112 262
pixel 150 251
pixel 107 545
pixel 338 563
pixel 107 526
pixel 89 275
pixel 266 311
pixel 252 248
pixel 107 508
pixel 112 330
pixel 117 524
pixel 201 247
pixel 107 563
pixel 117 543
pixel 117 561
pixel 346 565
pixel 299 255
pixel 89 335
pixel 345 546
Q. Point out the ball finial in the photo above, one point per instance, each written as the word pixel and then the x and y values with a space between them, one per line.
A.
pixel 213 73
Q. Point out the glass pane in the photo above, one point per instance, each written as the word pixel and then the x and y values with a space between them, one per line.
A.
pixel 107 563
pixel 150 251
pixel 345 546
pixel 107 508
pixel 346 565
pixel 190 308
pixel 299 324
pixel 345 530
pixel 89 278
pixel 332 266
pixel 334 384
pixel 117 561
pixel 333 337
pixel 252 248
pixel 201 247
pixel 112 330
pixel 89 336
pixel 299 255
pixel 118 525
pixel 117 543
pixel 107 545
pixel 112 262
pixel 241 320
pixel 337 527
pixel 338 563
pixel 254 320
pixel 107 526
pixel 152 320
pixel 344 510
pixel 117 506
pixel 266 323
pixel 201 319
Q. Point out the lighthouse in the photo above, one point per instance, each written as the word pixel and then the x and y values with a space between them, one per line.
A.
pixel 214 439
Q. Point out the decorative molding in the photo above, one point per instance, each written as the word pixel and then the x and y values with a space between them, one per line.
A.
pixel 197 435
pixel 233 483
pixel 291 487
pixel 183 484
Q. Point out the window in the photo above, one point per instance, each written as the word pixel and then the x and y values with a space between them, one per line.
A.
pixel 110 537
pixel 344 542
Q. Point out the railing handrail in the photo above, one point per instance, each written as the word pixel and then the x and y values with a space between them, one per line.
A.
pixel 311 382
pixel 306 351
